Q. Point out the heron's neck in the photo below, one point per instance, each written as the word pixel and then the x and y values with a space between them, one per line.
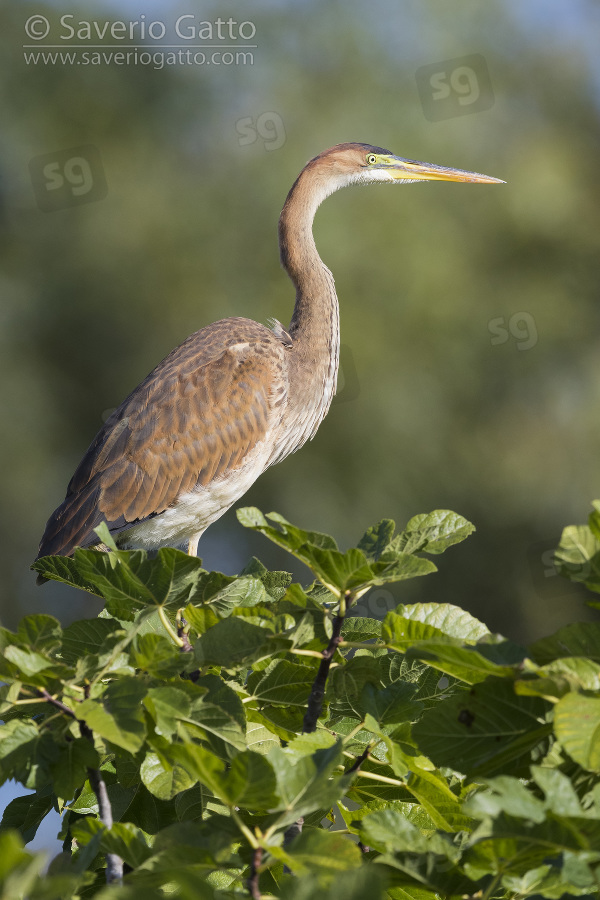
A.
pixel 315 322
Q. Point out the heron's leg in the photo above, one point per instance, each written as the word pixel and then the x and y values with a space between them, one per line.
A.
pixel 193 545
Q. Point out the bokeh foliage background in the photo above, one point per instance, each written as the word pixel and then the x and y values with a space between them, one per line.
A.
pixel 93 296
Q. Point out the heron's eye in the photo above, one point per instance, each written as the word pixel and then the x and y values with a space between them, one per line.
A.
pixel 371 159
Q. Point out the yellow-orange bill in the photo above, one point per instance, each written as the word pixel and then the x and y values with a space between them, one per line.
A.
pixel 418 171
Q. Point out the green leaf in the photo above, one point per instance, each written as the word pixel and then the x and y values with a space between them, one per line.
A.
pixel 40 632
pixel 486 731
pixel 129 581
pixel 390 831
pixel 282 682
pixel 376 539
pixel 505 794
pixel 26 813
pixel 35 668
pixel 87 636
pixel 231 642
pixel 70 768
pixel 365 883
pixel 157 655
pixel 578 556
pixel 167 706
pixel 276 583
pixel 338 571
pixel 162 780
pixel 123 839
pixel 65 570
pixel 432 620
pixel 469 664
pixel 315 849
pixel 578 639
pixel 249 782
pixel 433 533
pixel 577 726
pixel 304 784
pixel 18 746
pixel 361 628
pixel 117 715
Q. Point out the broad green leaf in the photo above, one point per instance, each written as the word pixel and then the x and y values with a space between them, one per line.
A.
pixel 129 581
pixel 245 591
pixel 437 800
pixel 505 794
pixel 276 583
pixel 260 739
pixel 488 730
pixel 470 664
pixel 201 618
pixel 561 796
pixel 66 570
pixel 219 723
pixel 577 726
pixel 87 636
pixel 361 628
pixel 124 839
pixel 282 682
pixel 338 571
pixel 364 883
pixel 554 680
pixel 442 618
pixel 35 668
pixel 578 639
pixel 157 655
pixel 117 715
pixel 18 746
pixel 167 706
pixel 164 781
pixel 26 813
pixel 305 784
pixel 70 768
pixel 376 539
pixel 287 535
pixel 315 849
pixel 231 642
pixel 40 632
pixel 433 533
pixel 248 782
pixel 389 830
pixel 578 556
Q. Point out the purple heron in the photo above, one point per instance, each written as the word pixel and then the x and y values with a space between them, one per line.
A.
pixel 234 398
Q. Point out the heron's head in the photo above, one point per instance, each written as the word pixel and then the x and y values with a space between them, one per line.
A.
pixel 364 164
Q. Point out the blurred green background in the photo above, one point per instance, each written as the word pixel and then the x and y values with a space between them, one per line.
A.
pixel 470 313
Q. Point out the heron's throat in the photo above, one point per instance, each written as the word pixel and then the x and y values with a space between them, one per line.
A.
pixel 316 307
pixel 314 328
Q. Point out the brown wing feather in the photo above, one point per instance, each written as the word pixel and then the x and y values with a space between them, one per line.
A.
pixel 196 416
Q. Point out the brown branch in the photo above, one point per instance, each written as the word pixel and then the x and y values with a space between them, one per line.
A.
pixel 47 696
pixel 114 863
pixel 359 761
pixel 252 882
pixel 317 693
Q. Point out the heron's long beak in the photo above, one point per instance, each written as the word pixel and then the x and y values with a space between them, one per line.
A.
pixel 410 169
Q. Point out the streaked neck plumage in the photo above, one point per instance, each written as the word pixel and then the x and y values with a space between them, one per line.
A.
pixel 315 324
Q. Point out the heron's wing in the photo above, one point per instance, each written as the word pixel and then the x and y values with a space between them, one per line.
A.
pixel 195 417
